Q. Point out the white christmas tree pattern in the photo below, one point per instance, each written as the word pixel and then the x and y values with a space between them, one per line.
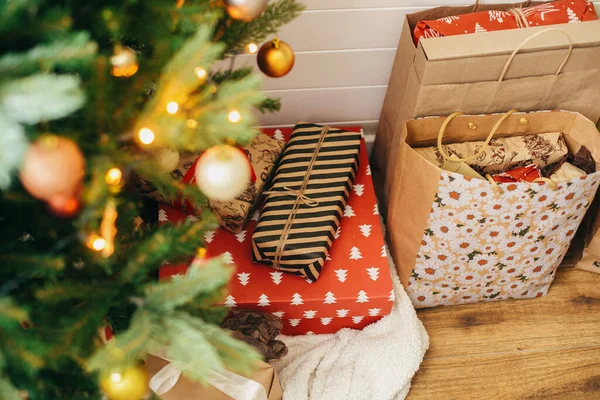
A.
pixel 241 236
pixel 392 296
pixel 310 314
pixel 365 229
pixel 278 135
pixel 373 273
pixel 479 28
pixel 368 170
pixel 357 320
pixel 359 189
pixel 296 299
pixel 229 301
pixel 362 297
pixel 355 253
pixel 349 212
pixel 337 232
pixel 572 16
pixel 209 236
pixel 375 209
pixel 276 277
pixel 192 218
pixel 326 321
pixel 310 333
pixel 278 314
pixel 294 321
pixel 227 258
pixel 341 274
pixel 373 312
pixel 263 301
pixel 329 298
pixel 244 278
pixel 384 251
pixel 255 215
pixel 342 313
pixel 162 216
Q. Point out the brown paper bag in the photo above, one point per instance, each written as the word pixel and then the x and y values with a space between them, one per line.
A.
pixel 458 240
pixel 186 389
pixel 482 73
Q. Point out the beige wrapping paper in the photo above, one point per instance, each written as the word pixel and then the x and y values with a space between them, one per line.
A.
pixel 504 154
pixel 263 153
pixel 186 389
pixel 435 210
pixel 465 72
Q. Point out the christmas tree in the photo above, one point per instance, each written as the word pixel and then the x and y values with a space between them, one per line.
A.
pixel 93 94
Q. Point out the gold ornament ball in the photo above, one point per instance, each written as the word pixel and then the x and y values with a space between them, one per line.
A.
pixel 245 10
pixel 223 172
pixel 275 58
pixel 167 158
pixel 53 166
pixel 129 384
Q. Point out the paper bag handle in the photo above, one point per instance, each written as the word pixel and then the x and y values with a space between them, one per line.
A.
pixel 452 157
pixel 524 42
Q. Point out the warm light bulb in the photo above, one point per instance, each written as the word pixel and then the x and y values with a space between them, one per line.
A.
pixel 234 116
pixel 95 242
pixel 116 377
pixel 146 136
pixel 191 123
pixel 251 48
pixel 113 176
pixel 172 107
pixel 201 73
pixel 201 252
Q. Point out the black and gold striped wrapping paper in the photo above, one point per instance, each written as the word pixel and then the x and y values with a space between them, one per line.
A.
pixel 302 223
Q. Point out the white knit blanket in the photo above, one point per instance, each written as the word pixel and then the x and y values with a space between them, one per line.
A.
pixel 375 363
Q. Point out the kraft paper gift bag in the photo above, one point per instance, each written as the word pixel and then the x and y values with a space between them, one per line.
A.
pixel 456 239
pixel 534 68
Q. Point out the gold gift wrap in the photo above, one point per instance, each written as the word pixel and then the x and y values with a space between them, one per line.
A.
pixel 305 203
pixel 503 154
pixel 263 153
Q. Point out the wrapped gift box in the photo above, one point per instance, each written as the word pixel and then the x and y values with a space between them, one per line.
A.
pixel 354 289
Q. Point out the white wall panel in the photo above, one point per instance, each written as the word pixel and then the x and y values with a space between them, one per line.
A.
pixel 331 69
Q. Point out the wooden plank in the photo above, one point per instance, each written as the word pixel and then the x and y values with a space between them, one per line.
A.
pixel 568 316
pixel 346 29
pixel 331 104
pixel 561 374
pixel 329 69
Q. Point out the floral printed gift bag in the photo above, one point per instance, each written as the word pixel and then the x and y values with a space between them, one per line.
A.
pixel 457 239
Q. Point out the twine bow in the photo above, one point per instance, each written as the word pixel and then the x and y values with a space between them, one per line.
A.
pixel 301 198
pixel 520 17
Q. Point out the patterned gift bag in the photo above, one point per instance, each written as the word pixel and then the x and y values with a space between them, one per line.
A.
pixel 458 239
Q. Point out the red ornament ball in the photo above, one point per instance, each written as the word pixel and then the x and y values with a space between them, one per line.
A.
pixel 53 167
pixel 64 206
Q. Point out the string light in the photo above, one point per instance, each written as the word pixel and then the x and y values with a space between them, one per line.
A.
pixel 191 123
pixel 113 176
pixel 251 48
pixel 201 252
pixel 95 242
pixel 146 135
pixel 116 377
pixel 234 116
pixel 201 73
pixel 172 107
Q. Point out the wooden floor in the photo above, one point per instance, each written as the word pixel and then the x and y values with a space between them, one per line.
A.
pixel 547 348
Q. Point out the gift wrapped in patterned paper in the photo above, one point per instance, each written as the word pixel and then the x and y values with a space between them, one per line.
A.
pixel 304 205
pixel 456 239
pixel 263 154
pixel 503 154
pixel 557 12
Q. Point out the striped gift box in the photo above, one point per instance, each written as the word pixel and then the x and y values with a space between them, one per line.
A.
pixel 305 203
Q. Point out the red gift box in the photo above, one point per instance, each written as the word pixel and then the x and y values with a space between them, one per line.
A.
pixel 558 12
pixel 354 289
